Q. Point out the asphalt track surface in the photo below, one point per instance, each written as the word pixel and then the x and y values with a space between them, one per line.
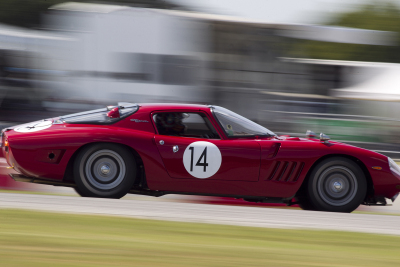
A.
pixel 205 213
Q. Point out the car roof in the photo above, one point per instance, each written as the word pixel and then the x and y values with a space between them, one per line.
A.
pixel 171 106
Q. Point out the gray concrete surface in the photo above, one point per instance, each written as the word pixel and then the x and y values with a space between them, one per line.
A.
pixel 203 213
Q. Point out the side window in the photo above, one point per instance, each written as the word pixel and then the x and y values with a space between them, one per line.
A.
pixel 185 124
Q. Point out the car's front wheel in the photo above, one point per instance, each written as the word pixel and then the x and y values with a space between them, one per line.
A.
pixel 335 184
pixel 104 170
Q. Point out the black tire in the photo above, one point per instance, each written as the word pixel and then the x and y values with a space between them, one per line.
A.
pixel 79 192
pixel 304 202
pixel 336 185
pixel 104 170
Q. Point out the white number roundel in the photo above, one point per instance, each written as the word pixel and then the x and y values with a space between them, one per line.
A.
pixel 33 127
pixel 202 159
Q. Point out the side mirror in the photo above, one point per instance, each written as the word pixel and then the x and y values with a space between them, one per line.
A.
pixel 114 113
pixel 324 138
pixel 310 134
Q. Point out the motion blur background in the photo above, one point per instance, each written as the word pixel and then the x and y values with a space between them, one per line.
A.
pixel 324 65
pixel 331 66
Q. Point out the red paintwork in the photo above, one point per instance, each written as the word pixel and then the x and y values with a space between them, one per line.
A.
pixel 249 168
pixel 114 113
pixel 247 152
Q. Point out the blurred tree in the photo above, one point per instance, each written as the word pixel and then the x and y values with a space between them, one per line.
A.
pixel 375 16
pixel 26 13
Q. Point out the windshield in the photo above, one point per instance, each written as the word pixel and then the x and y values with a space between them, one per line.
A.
pixel 235 125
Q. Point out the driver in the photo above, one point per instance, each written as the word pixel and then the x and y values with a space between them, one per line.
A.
pixel 170 123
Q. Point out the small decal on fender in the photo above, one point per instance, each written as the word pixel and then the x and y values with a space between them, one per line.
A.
pixel 135 120
pixel 202 159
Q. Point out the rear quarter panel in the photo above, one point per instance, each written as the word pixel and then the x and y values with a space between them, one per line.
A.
pixel 28 151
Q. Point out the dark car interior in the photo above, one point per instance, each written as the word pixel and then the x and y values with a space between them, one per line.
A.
pixel 184 124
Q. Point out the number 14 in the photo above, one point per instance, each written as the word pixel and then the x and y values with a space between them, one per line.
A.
pixel 203 155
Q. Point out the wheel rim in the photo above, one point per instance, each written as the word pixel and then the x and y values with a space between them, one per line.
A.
pixel 337 186
pixel 105 169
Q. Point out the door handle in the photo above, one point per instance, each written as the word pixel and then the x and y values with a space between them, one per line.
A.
pixel 175 148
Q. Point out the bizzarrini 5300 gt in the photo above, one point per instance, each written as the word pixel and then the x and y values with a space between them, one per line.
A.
pixel 158 149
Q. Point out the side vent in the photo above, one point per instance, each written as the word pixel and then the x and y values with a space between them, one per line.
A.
pixel 273 151
pixel 286 171
pixel 299 172
pixel 277 164
pixel 290 172
pixel 283 171
pixel 277 147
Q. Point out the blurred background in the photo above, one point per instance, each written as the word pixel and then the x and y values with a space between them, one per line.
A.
pixel 330 66
pixel 325 65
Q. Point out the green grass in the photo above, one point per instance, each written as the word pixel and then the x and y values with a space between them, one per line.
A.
pixel 49 239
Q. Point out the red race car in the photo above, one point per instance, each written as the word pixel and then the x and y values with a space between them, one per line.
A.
pixel 158 149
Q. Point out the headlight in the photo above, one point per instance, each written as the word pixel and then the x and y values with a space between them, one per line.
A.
pixel 394 167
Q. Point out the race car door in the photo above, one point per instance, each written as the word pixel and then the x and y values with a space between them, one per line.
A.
pixel 192 149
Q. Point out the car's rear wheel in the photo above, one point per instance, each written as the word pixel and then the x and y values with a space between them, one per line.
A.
pixel 335 184
pixel 104 170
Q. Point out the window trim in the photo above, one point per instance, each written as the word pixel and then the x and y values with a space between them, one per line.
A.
pixel 221 137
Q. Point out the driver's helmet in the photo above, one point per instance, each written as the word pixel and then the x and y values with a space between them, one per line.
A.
pixel 170 123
